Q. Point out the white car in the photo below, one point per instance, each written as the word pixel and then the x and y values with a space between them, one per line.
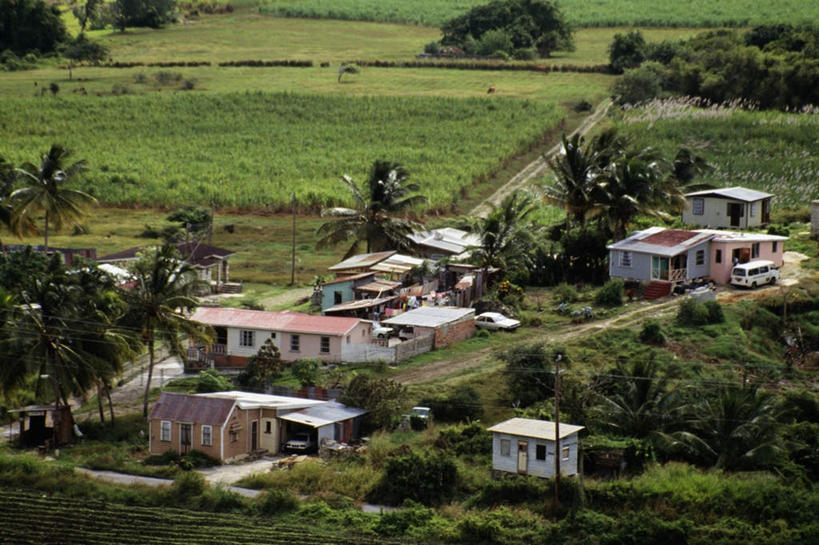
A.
pixel 382 332
pixel 754 273
pixel 300 442
pixel 496 320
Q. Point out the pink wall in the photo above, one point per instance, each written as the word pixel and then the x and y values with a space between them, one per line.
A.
pixel 721 272
pixel 310 344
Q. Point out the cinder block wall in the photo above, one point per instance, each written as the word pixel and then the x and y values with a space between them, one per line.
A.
pixel 448 334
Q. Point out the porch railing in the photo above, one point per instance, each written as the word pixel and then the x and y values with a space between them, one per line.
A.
pixel 676 275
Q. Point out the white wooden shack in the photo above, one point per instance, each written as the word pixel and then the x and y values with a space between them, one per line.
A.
pixel 527 447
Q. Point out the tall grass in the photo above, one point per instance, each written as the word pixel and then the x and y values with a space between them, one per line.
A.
pixel 768 151
pixel 578 12
pixel 251 150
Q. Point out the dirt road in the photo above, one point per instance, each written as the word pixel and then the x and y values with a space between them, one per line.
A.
pixel 538 166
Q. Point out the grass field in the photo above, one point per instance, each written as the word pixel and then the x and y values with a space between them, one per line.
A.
pixel 769 151
pixel 251 150
pixel 578 12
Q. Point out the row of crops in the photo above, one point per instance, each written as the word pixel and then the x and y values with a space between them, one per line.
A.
pixel 769 151
pixel 251 150
pixel 35 518
pixel 585 13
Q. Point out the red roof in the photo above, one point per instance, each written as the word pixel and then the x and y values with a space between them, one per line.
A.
pixel 195 409
pixel 286 320
pixel 670 237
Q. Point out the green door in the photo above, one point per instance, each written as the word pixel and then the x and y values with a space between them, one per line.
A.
pixel 659 268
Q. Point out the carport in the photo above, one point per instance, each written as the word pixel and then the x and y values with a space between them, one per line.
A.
pixel 332 421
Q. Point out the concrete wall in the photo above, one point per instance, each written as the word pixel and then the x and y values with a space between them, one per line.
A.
pixel 353 353
pixel 721 272
pixel 539 468
pixel 715 214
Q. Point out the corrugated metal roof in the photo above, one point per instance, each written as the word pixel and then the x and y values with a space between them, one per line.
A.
pixel 192 408
pixel 362 261
pixel 430 316
pixel 379 285
pixel 361 303
pixel 321 415
pixel 736 193
pixel 293 322
pixel 731 236
pixel 349 278
pixel 537 429
pixel 250 400
pixel 194 252
pixel 447 239
pixel 658 240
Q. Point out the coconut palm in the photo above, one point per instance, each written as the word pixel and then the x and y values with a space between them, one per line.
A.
pixel 735 428
pixel 373 221
pixel 506 234
pixel 159 304
pixel 45 191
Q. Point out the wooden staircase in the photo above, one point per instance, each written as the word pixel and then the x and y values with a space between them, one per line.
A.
pixel 657 289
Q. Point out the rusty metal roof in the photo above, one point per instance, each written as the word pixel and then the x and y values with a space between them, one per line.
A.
pixel 190 408
pixel 292 322
pixel 661 241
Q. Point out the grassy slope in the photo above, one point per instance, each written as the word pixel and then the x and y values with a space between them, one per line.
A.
pixel 578 12
pixel 769 151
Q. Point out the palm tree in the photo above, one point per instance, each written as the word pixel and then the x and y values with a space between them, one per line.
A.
pixel 388 192
pixel 506 234
pixel 159 303
pixel 45 191
pixel 733 429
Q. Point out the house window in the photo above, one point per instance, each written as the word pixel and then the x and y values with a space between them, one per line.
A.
pixel 294 343
pixel 699 257
pixel 625 259
pixel 272 334
pixel 753 209
pixel 774 246
pixel 268 427
pixel 207 436
pixel 718 256
pixel 165 430
pixel 540 452
pixel 698 206
pixel 246 337
pixel 754 250
pixel 337 298
pixel 348 339
pixel 325 345
pixel 505 447
pixel 565 453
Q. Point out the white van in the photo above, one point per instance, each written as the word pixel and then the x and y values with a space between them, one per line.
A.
pixel 754 273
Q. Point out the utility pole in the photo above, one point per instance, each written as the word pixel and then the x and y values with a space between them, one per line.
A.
pixel 210 227
pixel 293 253
pixel 557 429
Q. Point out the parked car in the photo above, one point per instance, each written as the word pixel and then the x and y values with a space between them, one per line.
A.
pixel 301 442
pixel 496 320
pixel 754 273
pixel 382 332
pixel 406 333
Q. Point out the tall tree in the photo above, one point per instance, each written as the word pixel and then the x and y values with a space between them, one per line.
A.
pixel 45 191
pixel 577 172
pixel 160 302
pixel 506 234
pixel 388 192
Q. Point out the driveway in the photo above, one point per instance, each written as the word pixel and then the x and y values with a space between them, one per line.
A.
pixel 230 473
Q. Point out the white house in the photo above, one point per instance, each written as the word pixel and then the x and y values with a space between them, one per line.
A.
pixel 730 207
pixel 527 447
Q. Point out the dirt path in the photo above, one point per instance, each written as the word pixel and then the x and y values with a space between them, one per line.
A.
pixel 288 298
pixel 538 166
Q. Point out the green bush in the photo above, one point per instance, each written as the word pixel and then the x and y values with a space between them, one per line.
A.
pixel 564 293
pixel 472 440
pixel 211 380
pixel 639 85
pixel 627 51
pixel 306 371
pixel 196 459
pixel 652 333
pixel 432 48
pixel 464 403
pixel 276 501
pixel 166 458
pixel 397 523
pixel 611 294
pixel 693 313
pixel 428 479
pixel 715 314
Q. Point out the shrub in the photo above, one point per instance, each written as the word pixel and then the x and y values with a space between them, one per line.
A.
pixel 397 523
pixel 611 294
pixel 627 51
pixel 715 314
pixel 652 333
pixel 470 440
pixel 276 501
pixel 524 54
pixel 188 84
pixel 693 313
pixel 564 293
pixel 639 85
pixel 306 371
pixel 432 48
pixel 464 403
pixel 493 41
pixel 780 230
pixel 196 459
pixel 167 78
pixel 429 480
pixel 166 458
pixel 211 380
pixel 83 49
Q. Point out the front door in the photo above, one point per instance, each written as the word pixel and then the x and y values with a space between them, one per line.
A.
pixel 254 436
pixel 659 268
pixel 523 457
pixel 185 437
pixel 734 212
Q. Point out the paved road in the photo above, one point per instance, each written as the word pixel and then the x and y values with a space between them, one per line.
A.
pixel 123 478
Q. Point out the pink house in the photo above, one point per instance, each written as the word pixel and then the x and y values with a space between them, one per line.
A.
pixel 729 247
pixel 239 333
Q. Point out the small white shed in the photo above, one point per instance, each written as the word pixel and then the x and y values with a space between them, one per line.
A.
pixel 527 447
